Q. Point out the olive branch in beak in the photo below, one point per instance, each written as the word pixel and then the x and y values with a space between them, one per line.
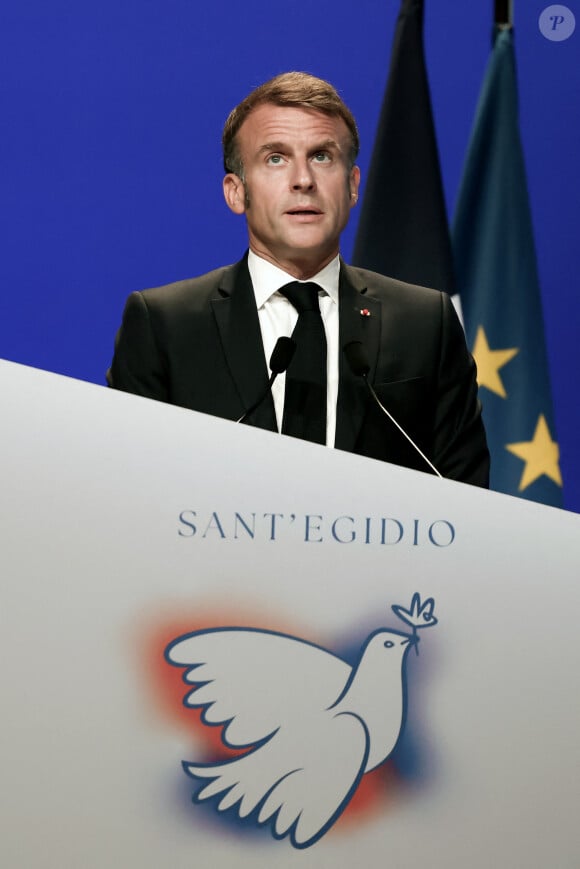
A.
pixel 419 615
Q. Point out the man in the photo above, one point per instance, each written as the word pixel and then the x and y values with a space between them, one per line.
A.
pixel 289 152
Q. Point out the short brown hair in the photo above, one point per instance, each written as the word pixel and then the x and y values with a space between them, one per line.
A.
pixel 298 89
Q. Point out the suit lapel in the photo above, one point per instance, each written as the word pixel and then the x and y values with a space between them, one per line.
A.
pixel 241 339
pixel 237 321
pixel 359 320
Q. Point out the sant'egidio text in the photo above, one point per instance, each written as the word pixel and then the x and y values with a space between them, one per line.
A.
pixel 314 528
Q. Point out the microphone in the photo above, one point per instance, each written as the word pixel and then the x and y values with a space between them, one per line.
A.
pixel 280 359
pixel 359 365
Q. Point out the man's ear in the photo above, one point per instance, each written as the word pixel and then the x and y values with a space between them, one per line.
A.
pixel 353 184
pixel 235 193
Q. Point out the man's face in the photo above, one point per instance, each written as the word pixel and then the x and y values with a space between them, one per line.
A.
pixel 298 190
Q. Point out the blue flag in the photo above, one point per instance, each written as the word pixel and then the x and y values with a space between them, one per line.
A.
pixel 497 277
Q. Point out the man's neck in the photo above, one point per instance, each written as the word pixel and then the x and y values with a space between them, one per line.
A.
pixel 302 269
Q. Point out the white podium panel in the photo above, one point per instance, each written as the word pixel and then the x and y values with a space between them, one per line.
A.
pixel 202 621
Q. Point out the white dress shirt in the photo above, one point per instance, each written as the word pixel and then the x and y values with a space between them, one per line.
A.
pixel 278 317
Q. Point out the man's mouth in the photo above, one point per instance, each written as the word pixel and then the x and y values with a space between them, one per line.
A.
pixel 304 211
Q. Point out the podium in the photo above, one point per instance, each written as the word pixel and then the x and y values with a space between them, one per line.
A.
pixel 142 545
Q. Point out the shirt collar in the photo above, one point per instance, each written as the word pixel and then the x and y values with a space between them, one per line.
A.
pixel 268 278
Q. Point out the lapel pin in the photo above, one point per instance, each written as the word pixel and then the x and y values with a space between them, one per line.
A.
pixel 364 312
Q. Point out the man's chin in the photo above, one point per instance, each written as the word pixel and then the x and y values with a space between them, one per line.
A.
pixel 308 260
pixel 304 242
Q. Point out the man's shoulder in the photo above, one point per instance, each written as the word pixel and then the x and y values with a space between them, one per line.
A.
pixel 385 288
pixel 190 290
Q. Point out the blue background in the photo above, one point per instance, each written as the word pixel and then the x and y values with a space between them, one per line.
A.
pixel 111 165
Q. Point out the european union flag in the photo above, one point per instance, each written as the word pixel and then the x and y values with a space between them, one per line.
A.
pixel 496 273
pixel 403 230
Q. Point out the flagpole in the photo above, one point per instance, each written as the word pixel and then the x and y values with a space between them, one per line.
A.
pixel 503 13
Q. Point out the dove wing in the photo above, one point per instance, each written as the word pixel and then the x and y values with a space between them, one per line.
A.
pixel 310 798
pixel 255 681
pixel 299 781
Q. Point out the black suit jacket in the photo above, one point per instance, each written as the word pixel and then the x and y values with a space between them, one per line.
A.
pixel 197 344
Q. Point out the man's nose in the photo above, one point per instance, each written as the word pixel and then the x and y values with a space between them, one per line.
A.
pixel 303 177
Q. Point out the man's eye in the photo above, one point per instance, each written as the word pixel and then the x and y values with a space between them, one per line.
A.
pixel 275 159
pixel 322 157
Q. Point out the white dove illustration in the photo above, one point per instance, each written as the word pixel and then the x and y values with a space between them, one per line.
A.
pixel 313 725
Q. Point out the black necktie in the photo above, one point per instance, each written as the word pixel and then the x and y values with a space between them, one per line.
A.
pixel 305 394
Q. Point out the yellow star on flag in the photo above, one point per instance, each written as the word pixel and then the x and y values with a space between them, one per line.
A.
pixel 489 362
pixel 541 456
